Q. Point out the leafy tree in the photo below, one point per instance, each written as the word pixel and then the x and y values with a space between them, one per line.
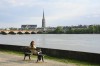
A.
pixel 69 31
pixel 90 29
pixel 58 30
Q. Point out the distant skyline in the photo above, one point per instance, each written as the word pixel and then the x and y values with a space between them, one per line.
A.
pixel 14 13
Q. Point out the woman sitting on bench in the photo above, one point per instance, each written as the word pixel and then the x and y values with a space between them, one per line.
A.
pixel 33 48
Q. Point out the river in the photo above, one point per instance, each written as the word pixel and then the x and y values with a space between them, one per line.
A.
pixel 75 42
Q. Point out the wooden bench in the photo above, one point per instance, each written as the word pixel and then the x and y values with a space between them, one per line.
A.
pixel 27 52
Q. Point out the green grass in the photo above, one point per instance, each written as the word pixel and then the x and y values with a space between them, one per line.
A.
pixel 72 61
pixel 76 62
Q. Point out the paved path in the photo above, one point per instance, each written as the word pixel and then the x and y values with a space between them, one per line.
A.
pixel 7 59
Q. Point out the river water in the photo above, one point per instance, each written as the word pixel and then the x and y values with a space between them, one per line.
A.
pixel 75 42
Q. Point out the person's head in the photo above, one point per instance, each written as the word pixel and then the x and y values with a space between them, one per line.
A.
pixel 32 43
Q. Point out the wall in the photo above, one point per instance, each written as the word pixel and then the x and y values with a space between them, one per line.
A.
pixel 82 56
pixel 66 54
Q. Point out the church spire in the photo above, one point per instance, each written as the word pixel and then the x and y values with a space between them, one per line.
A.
pixel 43 21
pixel 43 15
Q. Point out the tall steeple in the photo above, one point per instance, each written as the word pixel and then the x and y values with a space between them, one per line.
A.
pixel 43 15
pixel 43 21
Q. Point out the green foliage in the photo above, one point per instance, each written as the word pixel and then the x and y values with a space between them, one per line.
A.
pixel 96 29
pixel 13 28
pixel 58 30
pixel 69 31
pixel 92 29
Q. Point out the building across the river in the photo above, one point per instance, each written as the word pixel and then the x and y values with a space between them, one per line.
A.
pixel 28 26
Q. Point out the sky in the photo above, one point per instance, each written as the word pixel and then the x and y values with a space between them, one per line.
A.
pixel 14 13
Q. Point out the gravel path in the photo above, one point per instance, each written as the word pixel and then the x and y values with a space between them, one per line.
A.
pixel 7 59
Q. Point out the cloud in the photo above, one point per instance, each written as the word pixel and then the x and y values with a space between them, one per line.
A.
pixel 56 11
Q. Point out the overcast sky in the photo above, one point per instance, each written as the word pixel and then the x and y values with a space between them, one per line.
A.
pixel 14 13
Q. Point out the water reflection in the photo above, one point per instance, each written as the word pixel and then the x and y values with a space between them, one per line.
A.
pixel 76 42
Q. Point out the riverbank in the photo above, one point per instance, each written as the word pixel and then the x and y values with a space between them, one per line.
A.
pixel 10 58
pixel 12 50
pixel 7 59
pixel 62 54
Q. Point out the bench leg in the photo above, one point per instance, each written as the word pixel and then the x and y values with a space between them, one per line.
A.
pixel 24 57
pixel 29 57
pixel 42 58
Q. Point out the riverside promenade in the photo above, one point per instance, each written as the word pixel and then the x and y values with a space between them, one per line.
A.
pixel 8 59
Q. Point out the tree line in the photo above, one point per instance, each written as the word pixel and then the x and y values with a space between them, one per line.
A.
pixel 93 29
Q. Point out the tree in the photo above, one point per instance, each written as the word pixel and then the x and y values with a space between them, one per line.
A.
pixel 90 29
pixel 58 30
pixel 69 30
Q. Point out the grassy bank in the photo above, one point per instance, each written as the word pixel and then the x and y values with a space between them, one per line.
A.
pixel 72 61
